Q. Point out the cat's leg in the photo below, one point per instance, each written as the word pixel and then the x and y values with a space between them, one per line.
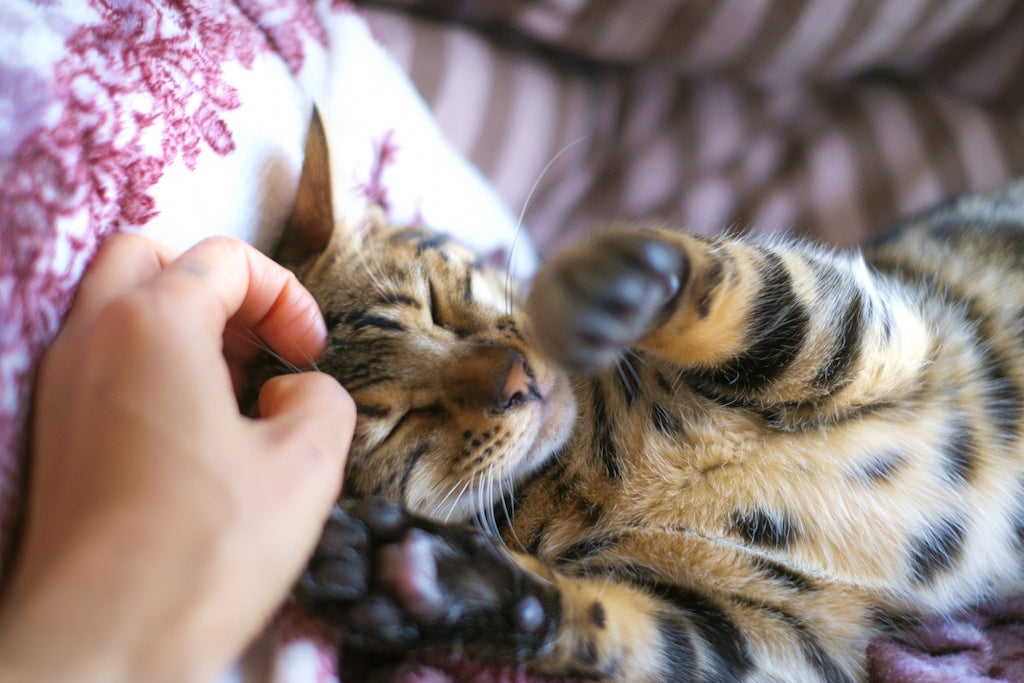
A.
pixel 395 584
pixel 780 324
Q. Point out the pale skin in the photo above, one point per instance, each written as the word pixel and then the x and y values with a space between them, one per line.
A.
pixel 163 527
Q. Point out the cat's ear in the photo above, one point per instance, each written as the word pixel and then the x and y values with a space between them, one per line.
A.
pixel 311 225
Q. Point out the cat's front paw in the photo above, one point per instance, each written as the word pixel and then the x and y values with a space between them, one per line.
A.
pixel 395 582
pixel 592 302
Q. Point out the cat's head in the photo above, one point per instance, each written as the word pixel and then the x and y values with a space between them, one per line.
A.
pixel 454 403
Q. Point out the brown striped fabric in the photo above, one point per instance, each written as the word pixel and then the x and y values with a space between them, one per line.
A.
pixel 826 118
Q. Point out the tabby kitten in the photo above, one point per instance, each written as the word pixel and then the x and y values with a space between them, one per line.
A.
pixel 711 459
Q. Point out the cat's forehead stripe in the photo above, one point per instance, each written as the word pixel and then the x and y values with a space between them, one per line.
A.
pixel 435 243
pixel 361 319
pixel 399 299
pixel 423 240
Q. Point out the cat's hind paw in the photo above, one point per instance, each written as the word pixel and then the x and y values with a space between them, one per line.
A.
pixel 395 582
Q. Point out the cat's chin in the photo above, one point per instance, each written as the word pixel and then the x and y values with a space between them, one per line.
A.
pixel 558 415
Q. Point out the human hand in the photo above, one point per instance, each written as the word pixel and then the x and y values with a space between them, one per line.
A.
pixel 163 528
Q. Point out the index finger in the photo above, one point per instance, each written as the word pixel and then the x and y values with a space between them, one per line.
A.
pixel 222 279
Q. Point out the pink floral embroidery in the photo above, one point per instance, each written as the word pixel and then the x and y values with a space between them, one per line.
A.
pixel 143 72
pixel 374 188
pixel 283 33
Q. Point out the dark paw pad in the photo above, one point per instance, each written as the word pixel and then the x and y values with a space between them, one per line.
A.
pixel 395 582
pixel 591 303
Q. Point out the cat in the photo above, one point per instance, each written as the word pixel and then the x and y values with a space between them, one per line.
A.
pixel 708 459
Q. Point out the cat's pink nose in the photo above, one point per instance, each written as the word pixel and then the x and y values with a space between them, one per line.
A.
pixel 519 387
pixel 493 377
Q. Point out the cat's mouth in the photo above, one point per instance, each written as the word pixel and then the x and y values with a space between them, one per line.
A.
pixel 557 407
pixel 502 414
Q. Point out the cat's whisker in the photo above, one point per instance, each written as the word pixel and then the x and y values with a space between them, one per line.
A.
pixel 478 509
pixel 373 271
pixel 498 498
pixel 522 215
pixel 441 503
pixel 508 505
pixel 619 368
pixel 486 499
pixel 622 373
pixel 487 495
pixel 372 264
pixel 675 383
pixel 481 504
pixel 636 356
pixel 450 507
pixel 458 498
pixel 492 480
pixel 486 513
pixel 632 370
pixel 246 334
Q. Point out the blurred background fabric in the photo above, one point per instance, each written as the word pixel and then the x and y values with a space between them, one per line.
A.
pixel 825 118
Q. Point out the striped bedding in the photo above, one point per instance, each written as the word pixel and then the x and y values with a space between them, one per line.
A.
pixel 827 118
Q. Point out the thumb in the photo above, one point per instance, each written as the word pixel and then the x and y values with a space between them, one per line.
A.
pixel 292 480
pixel 312 417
